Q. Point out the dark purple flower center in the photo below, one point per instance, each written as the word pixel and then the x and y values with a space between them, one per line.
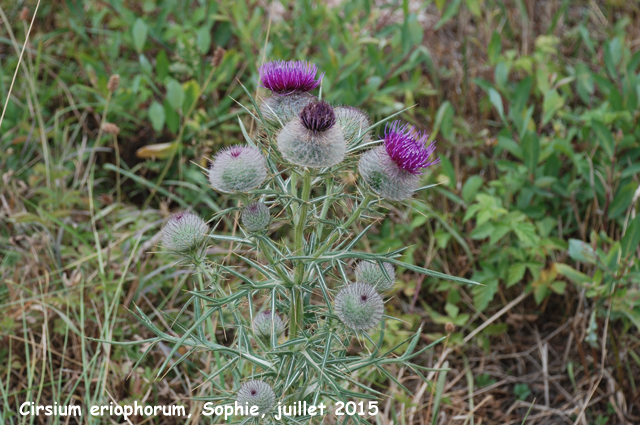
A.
pixel 267 312
pixel 179 216
pixel 254 392
pixel 287 77
pixel 406 147
pixel 363 298
pixel 318 116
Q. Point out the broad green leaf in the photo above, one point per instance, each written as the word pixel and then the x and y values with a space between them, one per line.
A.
pixel 515 273
pixel 526 232
pixel 139 33
pixel 496 101
pixel 471 187
pixel 551 104
pixel 572 274
pixel 531 150
pixel 581 251
pixel 203 39
pixel 474 7
pixel 175 94
pixel 604 136
pixel 622 200
pixel 191 90
pixel 495 48
pixel 444 120
pixel 482 295
pixel 631 238
pixel 447 170
pixel 482 231
pixel 162 65
pixel 156 116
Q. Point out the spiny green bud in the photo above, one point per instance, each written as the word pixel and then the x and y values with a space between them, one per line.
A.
pixel 354 123
pixel 285 107
pixel 314 140
pixel 263 325
pixel 359 306
pixel 370 272
pixel 184 232
pixel 238 169
pixel 255 217
pixel 257 393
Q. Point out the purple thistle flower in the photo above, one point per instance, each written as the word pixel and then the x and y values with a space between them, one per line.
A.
pixel 318 117
pixel 406 147
pixel 287 77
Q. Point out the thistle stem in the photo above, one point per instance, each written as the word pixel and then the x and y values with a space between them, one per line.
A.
pixel 297 299
pixel 325 206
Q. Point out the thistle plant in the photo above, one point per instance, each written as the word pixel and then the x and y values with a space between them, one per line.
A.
pixel 293 307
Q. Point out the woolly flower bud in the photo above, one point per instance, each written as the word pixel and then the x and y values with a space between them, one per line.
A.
pixel 359 306
pixel 354 123
pixel 314 140
pixel 262 325
pixel 238 169
pixel 256 216
pixel 285 107
pixel 114 82
pixel 257 393
pixel 184 232
pixel 370 272
pixel 393 170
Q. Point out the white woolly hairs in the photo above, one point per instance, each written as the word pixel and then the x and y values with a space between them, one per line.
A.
pixel 238 169
pixel 305 148
pixel 384 177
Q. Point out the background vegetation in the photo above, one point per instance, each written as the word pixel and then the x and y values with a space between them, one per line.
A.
pixel 535 109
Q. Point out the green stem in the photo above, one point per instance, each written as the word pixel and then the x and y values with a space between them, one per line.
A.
pixel 296 314
pixel 325 206
pixel 297 301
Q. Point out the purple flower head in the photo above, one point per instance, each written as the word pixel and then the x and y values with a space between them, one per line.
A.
pixel 318 117
pixel 406 147
pixel 288 77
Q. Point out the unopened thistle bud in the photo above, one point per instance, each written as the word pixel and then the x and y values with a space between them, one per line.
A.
pixel 314 139
pixel 256 216
pixel 263 324
pixel 257 393
pixel 114 82
pixel 184 232
pixel 393 170
pixel 370 272
pixel 238 169
pixel 359 306
pixel 289 83
pixel 111 128
pixel 354 123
